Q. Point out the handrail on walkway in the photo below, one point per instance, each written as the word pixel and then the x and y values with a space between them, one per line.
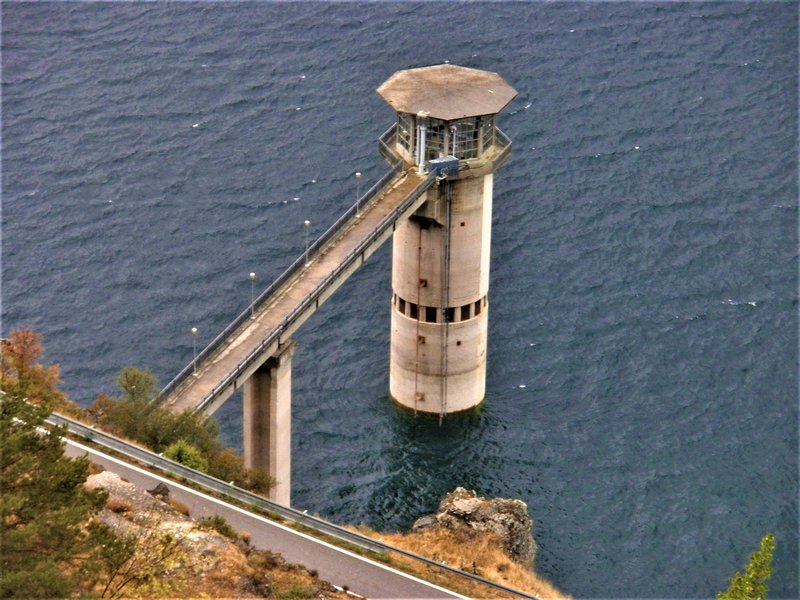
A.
pixel 311 298
pixel 295 267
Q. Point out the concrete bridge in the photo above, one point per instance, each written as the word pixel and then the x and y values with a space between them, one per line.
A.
pixel 263 332
pixel 255 351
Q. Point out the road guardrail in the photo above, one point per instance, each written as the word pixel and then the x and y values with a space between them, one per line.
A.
pixel 166 465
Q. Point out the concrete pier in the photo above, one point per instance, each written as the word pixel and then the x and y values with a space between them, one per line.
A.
pixel 440 316
pixel 268 422
pixel 446 124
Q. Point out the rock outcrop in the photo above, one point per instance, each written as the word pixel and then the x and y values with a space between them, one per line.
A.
pixel 508 518
pixel 190 559
pixel 198 556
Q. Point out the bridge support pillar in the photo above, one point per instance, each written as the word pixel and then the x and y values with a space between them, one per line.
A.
pixel 268 422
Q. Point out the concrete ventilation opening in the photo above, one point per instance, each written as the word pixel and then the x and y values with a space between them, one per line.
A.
pixel 465 312
pixel 413 312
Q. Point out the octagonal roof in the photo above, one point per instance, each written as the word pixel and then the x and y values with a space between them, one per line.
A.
pixel 447 92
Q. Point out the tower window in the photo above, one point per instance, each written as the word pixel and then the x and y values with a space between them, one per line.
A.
pixel 405 131
pixel 430 314
pixel 465 312
pixel 466 133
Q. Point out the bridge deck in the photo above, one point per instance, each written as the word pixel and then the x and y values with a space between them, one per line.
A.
pixel 197 391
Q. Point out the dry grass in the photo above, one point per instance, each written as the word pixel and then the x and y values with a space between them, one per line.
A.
pixel 478 553
pixel 179 506
pixel 288 583
pixel 116 505
pixel 270 573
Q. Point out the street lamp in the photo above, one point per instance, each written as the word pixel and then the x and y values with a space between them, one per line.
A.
pixel 306 224
pixel 194 350
pixel 252 295
pixel 358 192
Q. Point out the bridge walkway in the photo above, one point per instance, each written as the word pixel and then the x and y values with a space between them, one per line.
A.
pixel 247 343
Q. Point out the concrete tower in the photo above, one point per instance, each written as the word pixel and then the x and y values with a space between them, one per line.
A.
pixel 446 122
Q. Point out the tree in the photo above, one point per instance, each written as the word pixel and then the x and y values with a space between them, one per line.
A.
pixel 149 563
pixel 138 385
pixel 21 375
pixel 131 414
pixel 752 584
pixel 43 508
pixel 186 454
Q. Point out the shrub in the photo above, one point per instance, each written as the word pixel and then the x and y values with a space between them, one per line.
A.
pixel 259 481
pixel 179 506
pixel 220 525
pixel 183 452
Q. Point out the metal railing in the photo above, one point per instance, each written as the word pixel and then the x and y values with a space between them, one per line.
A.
pixel 501 141
pixel 297 266
pixel 203 480
pixel 274 336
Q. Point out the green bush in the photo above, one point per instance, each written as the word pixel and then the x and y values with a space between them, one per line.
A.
pixel 186 454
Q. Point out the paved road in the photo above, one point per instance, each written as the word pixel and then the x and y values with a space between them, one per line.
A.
pixel 338 566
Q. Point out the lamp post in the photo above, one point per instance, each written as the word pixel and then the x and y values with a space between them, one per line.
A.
pixel 306 224
pixel 194 350
pixel 358 192
pixel 252 295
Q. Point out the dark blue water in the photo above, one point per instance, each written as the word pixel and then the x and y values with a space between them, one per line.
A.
pixel 642 386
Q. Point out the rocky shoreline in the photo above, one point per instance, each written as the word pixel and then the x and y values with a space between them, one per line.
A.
pixel 466 511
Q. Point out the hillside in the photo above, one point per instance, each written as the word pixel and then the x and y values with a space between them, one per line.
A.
pixel 178 556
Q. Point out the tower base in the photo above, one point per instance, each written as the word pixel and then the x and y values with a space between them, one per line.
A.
pixel 438 371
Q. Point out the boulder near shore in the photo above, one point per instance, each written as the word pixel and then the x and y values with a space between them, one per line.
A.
pixel 464 510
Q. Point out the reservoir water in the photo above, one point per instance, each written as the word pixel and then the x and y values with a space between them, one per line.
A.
pixel 643 381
